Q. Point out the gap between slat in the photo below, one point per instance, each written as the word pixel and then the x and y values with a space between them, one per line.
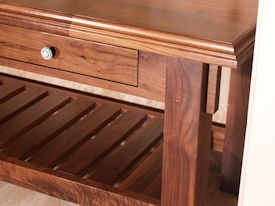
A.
pixel 31 117
pixel 63 144
pixel 33 140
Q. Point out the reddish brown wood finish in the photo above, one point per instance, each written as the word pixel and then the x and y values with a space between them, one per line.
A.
pixel 77 56
pixel 68 187
pixel 151 132
pixel 200 32
pixel 222 34
pixel 8 91
pixel 20 102
pixel 151 67
pixel 31 117
pixel 54 125
pixel 140 179
pixel 213 90
pixel 66 139
pixel 236 127
pixel 136 164
pixel 187 134
pixel 218 134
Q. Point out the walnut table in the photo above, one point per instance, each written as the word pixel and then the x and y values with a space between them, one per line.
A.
pixel 95 150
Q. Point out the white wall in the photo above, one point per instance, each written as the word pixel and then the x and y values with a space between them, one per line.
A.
pixel 258 175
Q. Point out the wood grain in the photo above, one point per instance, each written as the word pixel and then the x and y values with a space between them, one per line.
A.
pixel 31 117
pixel 151 66
pixel 187 134
pixel 146 177
pixel 213 20
pixel 82 130
pixel 104 141
pixel 35 23
pixel 13 195
pixel 222 35
pixel 236 127
pixel 67 187
pixel 109 169
pixel 79 133
pixel 77 56
pixel 213 90
pixel 218 135
pixel 8 91
pixel 21 101
pixel 47 130
pixel 120 151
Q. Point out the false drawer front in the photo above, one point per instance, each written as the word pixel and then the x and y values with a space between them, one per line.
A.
pixel 64 53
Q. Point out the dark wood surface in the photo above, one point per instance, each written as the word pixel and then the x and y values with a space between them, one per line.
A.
pixel 77 56
pixel 151 67
pixel 236 127
pixel 31 117
pixel 213 90
pixel 58 140
pixel 187 134
pixel 20 102
pixel 213 20
pixel 68 187
pixel 141 178
pixel 9 91
pixel 218 135
pixel 200 32
pixel 91 139
pixel 210 31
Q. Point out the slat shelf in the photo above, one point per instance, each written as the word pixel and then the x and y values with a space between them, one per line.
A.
pixel 55 141
pixel 96 142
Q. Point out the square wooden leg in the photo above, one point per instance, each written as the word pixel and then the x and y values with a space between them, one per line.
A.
pixel 187 134
pixel 236 127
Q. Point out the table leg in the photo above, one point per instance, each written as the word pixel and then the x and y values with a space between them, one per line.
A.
pixel 236 127
pixel 187 134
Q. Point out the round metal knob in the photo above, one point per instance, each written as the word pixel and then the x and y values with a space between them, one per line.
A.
pixel 47 53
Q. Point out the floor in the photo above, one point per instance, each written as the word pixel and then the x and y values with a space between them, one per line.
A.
pixel 11 195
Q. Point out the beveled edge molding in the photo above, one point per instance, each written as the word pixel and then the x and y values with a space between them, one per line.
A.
pixel 33 12
pixel 211 52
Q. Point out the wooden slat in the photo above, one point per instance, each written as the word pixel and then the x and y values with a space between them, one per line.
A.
pixel 114 164
pixel 143 177
pixel 69 141
pixel 33 115
pixel 213 89
pixel 8 90
pixel 60 145
pixel 20 102
pixel 108 138
pixel 154 188
pixel 48 129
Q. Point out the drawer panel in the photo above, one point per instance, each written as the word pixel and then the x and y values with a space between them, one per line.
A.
pixel 73 55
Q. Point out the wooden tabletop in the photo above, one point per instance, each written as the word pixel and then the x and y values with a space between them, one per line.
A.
pixel 217 25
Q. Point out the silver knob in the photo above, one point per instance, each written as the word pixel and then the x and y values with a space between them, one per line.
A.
pixel 47 53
